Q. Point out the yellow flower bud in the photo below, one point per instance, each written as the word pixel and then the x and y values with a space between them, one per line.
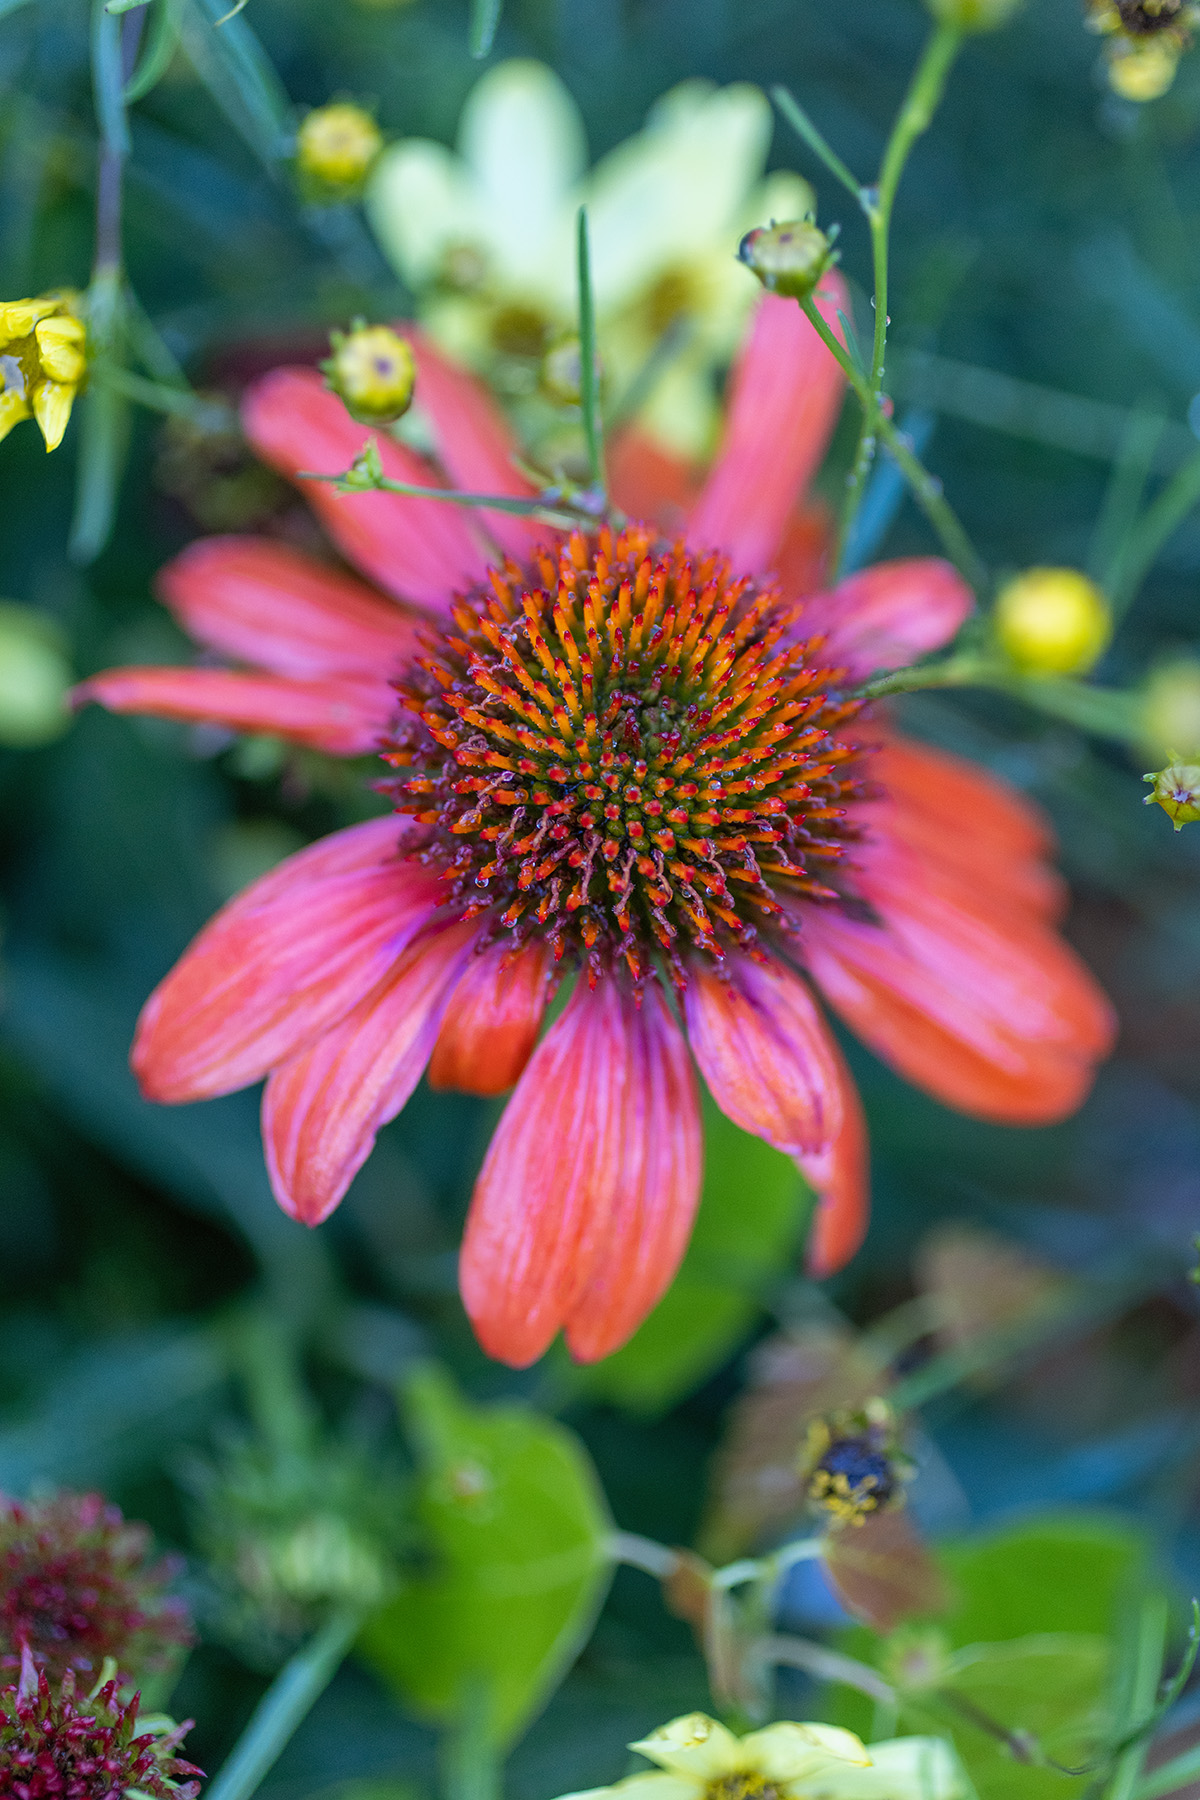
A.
pixel 43 360
pixel 1052 622
pixel 974 15
pixel 1177 790
pixel 336 146
pixel 788 259
pixel 1142 69
pixel 1171 708
pixel 373 370
pixel 34 678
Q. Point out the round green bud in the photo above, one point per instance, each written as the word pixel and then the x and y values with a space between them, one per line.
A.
pixel 788 259
pixel 373 371
pixel 336 146
pixel 34 678
pixel 1171 708
pixel 974 15
pixel 1052 622
pixel 1177 790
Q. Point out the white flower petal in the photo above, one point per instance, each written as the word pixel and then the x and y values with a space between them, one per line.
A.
pixel 693 1745
pixel 653 1785
pixel 798 1754
pixel 420 201
pixel 522 137
pixel 913 1768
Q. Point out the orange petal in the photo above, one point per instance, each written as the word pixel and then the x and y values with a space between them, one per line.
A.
pixel 282 963
pixel 419 550
pixel 264 604
pixel 492 1021
pixel 766 1054
pixel 839 1175
pixel 322 1108
pixel 786 392
pixel 804 554
pixel 345 715
pixel 588 1191
pixel 474 443
pixel 889 615
pixel 649 483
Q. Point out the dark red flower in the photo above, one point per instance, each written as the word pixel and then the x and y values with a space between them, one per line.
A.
pixel 78 1583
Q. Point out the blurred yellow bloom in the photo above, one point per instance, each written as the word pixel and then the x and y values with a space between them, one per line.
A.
pixel 336 145
pixel 485 237
pixel 1052 622
pixel 42 362
pixel 1171 708
pixel 700 1759
pixel 1145 40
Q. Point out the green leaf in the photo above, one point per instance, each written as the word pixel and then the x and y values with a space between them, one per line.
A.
pixel 239 75
pixel 485 17
pixel 1053 1688
pixel 162 41
pixel 1068 1573
pixel 517 1526
pixel 752 1211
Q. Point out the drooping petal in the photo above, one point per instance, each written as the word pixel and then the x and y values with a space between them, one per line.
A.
pixel 766 1054
pixel 790 1752
pixel 588 1191
pixel 785 395
pixel 265 604
pixel 648 482
pixel 345 715
pixel 889 615
pixel 419 550
pixel 323 1107
pixel 492 1021
pixel 281 963
pixel 474 443
pixel 839 1175
pixel 980 1004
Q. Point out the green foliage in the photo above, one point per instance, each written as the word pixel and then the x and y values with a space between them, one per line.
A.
pixel 516 1527
pixel 752 1209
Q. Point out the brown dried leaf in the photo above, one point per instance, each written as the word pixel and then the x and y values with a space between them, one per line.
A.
pixel 687 1591
pixel 795 1377
pixel 979 1283
pixel 882 1572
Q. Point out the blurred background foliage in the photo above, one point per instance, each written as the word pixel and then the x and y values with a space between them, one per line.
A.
pixel 158 1311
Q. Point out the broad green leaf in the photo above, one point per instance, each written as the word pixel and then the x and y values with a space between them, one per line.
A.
pixel 752 1211
pixel 516 1525
pixel 1066 1573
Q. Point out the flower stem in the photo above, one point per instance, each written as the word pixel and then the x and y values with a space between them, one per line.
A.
pixel 915 115
pixel 1158 523
pixel 470 1765
pixel 926 488
pixel 589 396
pixel 1105 712
pixel 286 1703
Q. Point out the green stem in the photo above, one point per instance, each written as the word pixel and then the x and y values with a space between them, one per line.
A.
pixel 1145 1671
pixel 1180 1772
pixel 470 1765
pixel 1105 712
pixel 1160 521
pixel 545 510
pixel 926 488
pixel 589 396
pixel 207 414
pixel 803 126
pixel 914 118
pixel 284 1706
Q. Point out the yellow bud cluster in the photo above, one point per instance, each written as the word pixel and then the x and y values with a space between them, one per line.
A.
pixel 1052 622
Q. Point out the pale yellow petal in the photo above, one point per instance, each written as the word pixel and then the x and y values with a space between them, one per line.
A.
pixel 60 348
pixel 52 403
pixel 13 408
pixel 914 1768
pixel 653 1785
pixel 420 202
pixel 522 137
pixel 18 317
pixel 782 196
pixel 693 1745
pixel 796 1754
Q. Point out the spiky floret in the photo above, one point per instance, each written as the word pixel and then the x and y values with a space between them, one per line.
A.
pixel 628 752
pixel 59 1743
pixel 78 1583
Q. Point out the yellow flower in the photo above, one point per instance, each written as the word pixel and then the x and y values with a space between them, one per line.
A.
pixel 1145 40
pixel 42 362
pixel 336 145
pixel 486 237
pixel 1052 622
pixel 373 370
pixel 700 1759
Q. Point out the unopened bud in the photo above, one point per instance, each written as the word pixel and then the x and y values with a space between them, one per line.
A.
pixel 788 259
pixel 34 678
pixel 1052 622
pixel 1177 790
pixel 974 15
pixel 374 372
pixel 336 145
pixel 1171 708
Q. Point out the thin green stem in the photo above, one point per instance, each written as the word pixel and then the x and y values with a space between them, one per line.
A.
pixel 284 1706
pixel 470 1764
pixel 1145 1670
pixel 926 488
pixel 1180 1772
pixel 1158 523
pixel 1105 712
pixel 803 126
pixel 915 115
pixel 534 509
pixel 589 394
pixel 209 415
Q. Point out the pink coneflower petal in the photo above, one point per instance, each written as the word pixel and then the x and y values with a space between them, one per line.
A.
pixel 648 482
pixel 785 397
pixel 591 1182
pixel 267 605
pixel 419 550
pixel 839 1175
pixel 978 1003
pixel 492 1021
pixel 766 1053
pixel 474 443
pixel 323 1107
pixel 282 963
pixel 889 615
pixel 345 715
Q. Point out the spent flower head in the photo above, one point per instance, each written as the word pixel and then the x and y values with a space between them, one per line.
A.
pixel 1052 622
pixel 700 1759
pixel 56 1744
pixel 852 1464
pixel 788 259
pixel 373 371
pixel 336 147
pixel 43 359
pixel 79 1585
